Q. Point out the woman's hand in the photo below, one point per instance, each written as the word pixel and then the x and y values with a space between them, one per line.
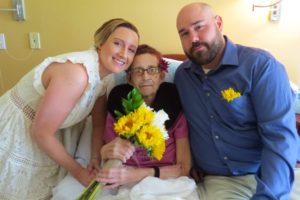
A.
pixel 117 149
pixel 85 177
pixel 93 166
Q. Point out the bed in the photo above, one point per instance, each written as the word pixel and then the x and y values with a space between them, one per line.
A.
pixel 180 57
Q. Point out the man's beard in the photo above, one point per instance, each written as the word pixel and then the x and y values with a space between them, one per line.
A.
pixel 206 57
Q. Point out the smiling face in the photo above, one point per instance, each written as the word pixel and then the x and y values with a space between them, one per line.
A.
pixel 200 31
pixel 147 81
pixel 117 52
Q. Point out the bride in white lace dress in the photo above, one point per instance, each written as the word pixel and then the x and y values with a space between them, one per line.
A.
pixel 47 109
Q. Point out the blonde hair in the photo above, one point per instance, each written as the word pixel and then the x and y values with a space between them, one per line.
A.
pixel 103 33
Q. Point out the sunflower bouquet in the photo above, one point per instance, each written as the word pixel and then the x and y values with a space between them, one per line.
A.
pixel 142 126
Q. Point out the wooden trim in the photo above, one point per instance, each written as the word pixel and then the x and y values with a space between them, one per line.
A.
pixel 175 56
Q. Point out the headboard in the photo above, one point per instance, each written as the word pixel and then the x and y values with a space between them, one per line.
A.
pixel 174 56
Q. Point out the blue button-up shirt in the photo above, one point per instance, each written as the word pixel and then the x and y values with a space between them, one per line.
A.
pixel 251 133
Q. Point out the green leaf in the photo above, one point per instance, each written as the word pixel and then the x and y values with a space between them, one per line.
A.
pixel 127 106
pixel 137 99
pixel 134 91
pixel 124 103
pixel 118 114
pixel 136 105
pixel 150 151
pixel 133 101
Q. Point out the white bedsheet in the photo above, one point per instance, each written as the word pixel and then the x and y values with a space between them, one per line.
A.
pixel 151 188
pixel 295 195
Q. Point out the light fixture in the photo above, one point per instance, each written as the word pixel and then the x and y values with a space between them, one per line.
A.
pixel 19 9
pixel 262 5
pixel 275 8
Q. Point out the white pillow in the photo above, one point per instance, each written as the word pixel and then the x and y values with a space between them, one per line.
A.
pixel 120 78
pixel 173 64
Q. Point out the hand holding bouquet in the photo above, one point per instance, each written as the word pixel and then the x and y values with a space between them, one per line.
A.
pixel 140 125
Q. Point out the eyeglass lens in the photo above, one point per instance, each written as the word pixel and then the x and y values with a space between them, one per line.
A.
pixel 149 70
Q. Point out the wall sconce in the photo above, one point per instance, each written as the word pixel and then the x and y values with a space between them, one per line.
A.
pixel 19 10
pixel 275 8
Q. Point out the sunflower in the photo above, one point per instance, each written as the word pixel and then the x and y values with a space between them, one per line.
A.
pixel 230 94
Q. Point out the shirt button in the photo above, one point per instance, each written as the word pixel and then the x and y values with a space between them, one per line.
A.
pixel 217 137
pixel 211 116
pixel 208 94
pixel 225 158
pixel 205 77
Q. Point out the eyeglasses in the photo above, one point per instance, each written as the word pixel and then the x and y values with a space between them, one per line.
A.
pixel 140 71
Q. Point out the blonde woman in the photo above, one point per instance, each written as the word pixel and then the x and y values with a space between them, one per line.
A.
pixel 52 100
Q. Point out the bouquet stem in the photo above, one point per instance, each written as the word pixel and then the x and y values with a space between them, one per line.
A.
pixel 90 192
pixel 112 163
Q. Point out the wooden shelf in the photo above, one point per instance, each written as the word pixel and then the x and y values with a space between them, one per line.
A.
pixel 298 123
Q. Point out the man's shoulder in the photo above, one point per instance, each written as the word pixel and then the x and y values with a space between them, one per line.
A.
pixel 183 68
pixel 185 64
pixel 253 52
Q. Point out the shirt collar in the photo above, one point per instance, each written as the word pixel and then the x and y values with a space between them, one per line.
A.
pixel 230 56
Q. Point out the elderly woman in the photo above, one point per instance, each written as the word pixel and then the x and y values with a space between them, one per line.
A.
pixel 147 73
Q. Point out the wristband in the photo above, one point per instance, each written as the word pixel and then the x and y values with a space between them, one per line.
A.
pixel 156 171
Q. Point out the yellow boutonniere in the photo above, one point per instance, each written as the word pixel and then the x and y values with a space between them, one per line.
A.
pixel 230 94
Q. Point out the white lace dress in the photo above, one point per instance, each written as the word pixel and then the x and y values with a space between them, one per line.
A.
pixel 26 172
